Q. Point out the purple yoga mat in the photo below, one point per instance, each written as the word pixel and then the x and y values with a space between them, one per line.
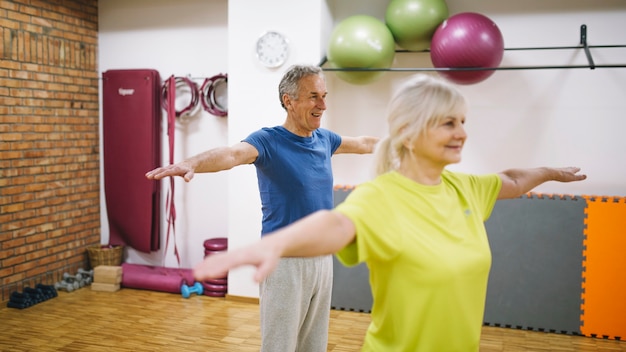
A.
pixel 155 278
pixel 131 143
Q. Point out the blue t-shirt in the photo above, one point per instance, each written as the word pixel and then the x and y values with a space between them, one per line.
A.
pixel 294 174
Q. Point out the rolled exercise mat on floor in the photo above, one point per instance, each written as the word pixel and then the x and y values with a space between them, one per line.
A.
pixel 155 278
pixel 131 130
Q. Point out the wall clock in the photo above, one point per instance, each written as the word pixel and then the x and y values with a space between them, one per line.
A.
pixel 272 49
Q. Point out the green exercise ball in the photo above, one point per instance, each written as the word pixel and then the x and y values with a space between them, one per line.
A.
pixel 361 41
pixel 413 22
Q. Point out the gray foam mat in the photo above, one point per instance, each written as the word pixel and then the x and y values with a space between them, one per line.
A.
pixel 351 288
pixel 339 195
pixel 535 281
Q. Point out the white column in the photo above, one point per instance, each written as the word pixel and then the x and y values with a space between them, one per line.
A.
pixel 253 101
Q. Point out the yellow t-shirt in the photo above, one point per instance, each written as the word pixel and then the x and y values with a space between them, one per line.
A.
pixel 428 257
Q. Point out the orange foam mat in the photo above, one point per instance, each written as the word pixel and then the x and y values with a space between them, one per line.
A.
pixel 604 284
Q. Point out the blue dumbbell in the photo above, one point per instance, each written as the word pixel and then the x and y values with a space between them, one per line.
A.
pixel 186 291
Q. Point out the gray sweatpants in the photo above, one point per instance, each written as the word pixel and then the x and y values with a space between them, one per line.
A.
pixel 295 305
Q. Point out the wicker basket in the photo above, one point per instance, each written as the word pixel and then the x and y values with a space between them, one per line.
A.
pixel 105 255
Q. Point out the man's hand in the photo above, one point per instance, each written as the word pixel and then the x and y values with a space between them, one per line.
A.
pixel 181 169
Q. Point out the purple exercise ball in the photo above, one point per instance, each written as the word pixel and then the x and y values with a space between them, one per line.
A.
pixel 467 39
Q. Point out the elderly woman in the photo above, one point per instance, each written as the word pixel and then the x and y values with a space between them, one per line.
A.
pixel 418 226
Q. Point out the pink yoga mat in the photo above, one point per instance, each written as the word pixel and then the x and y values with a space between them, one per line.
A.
pixel 155 278
pixel 131 137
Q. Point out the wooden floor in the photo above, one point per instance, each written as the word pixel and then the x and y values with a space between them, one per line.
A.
pixel 138 320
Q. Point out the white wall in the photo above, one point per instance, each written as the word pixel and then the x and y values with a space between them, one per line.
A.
pixel 520 118
pixel 254 103
pixel 182 38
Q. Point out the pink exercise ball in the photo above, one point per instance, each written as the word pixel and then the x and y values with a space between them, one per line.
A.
pixel 467 39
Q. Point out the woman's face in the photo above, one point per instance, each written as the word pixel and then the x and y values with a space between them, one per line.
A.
pixel 442 143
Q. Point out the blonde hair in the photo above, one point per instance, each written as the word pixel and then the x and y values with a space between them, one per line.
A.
pixel 420 103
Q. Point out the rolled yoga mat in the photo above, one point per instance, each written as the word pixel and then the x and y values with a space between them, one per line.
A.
pixel 155 278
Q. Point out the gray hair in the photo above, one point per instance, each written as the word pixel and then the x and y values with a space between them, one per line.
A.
pixel 420 103
pixel 289 84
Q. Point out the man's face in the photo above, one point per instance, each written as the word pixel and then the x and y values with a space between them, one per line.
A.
pixel 306 111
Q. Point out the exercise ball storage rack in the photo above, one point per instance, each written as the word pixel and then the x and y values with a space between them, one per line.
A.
pixel 583 45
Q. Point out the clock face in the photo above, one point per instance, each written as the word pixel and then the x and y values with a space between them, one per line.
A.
pixel 272 49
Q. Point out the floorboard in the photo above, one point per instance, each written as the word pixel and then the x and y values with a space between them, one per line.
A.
pixel 139 320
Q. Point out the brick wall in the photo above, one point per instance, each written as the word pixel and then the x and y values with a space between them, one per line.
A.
pixel 49 141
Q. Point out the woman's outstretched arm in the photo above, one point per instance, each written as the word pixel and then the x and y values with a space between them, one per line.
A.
pixel 323 232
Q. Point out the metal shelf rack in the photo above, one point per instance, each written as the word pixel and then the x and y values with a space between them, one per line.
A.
pixel 582 45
